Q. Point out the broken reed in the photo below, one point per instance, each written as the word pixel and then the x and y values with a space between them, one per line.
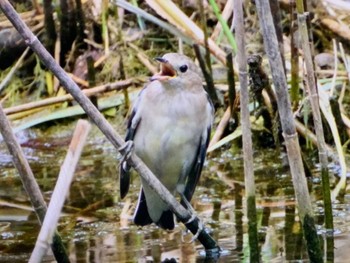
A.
pixel 289 131
pixel 249 180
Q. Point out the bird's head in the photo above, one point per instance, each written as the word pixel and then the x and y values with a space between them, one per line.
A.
pixel 176 69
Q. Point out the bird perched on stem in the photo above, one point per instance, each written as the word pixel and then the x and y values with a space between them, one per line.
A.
pixel 170 127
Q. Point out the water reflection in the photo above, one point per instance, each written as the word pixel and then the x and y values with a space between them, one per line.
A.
pixel 97 226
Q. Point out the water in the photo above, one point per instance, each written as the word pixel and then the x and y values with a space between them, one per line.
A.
pixel 96 225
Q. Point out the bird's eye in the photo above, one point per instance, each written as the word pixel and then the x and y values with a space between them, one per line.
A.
pixel 183 68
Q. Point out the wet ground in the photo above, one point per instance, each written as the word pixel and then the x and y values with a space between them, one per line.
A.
pixel 96 225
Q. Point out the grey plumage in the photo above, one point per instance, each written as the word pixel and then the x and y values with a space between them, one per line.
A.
pixel 170 126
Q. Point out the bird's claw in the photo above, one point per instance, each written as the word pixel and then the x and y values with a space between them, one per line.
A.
pixel 200 228
pixel 126 151
pixel 193 217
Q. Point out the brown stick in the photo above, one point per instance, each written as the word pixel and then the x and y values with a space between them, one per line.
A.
pixel 316 114
pixel 219 131
pixel 13 70
pixel 289 131
pixel 50 101
pixel 60 192
pixel 249 180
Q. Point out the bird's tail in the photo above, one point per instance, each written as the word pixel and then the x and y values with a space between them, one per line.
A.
pixel 166 221
pixel 142 217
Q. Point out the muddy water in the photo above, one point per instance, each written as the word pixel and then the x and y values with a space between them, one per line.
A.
pixel 96 225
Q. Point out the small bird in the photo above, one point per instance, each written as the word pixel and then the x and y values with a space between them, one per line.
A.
pixel 170 128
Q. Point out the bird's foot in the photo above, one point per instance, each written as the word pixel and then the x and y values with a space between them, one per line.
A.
pixel 126 151
pixel 193 217
pixel 199 230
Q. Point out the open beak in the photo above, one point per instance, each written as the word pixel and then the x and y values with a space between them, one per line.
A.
pixel 166 70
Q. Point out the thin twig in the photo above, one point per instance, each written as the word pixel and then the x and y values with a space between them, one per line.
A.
pixel 345 60
pixel 50 101
pixel 219 131
pixel 9 76
pixel 231 85
pixel 210 88
pixel 224 25
pixel 335 72
pixel 144 59
pixel 226 14
pixel 173 30
pixel 316 114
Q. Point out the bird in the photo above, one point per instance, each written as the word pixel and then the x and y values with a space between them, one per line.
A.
pixel 170 127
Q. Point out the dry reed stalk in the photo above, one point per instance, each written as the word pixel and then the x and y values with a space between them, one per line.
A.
pixel 60 191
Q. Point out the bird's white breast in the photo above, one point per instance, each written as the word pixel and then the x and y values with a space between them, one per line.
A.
pixel 168 134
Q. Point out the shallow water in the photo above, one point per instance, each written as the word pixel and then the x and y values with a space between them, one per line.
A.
pixel 96 225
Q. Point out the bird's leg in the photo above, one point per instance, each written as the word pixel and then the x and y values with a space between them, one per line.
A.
pixel 126 151
pixel 193 217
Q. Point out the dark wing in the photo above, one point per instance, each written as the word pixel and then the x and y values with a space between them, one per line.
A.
pixel 124 168
pixel 198 163
pixel 197 166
